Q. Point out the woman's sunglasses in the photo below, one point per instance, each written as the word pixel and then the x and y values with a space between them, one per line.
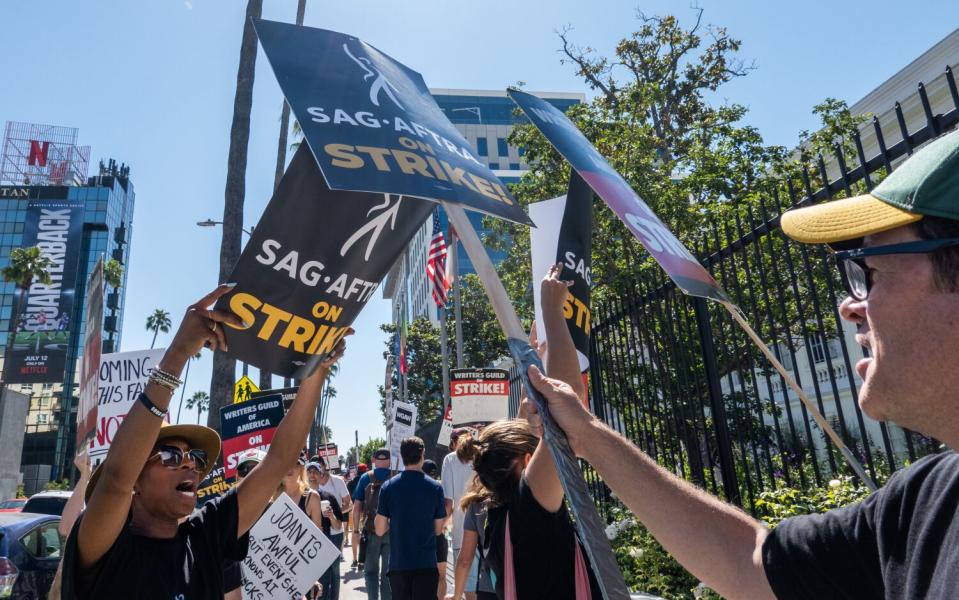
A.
pixel 172 456
pixel 855 273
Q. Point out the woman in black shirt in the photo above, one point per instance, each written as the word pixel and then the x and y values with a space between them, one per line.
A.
pixel 137 536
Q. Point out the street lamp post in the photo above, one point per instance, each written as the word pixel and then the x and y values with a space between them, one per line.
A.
pixel 212 223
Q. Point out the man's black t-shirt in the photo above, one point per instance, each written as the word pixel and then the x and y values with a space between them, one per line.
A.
pixel 543 548
pixel 186 567
pixel 900 542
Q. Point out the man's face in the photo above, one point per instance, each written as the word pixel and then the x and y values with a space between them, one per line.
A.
pixel 911 330
pixel 381 463
pixel 323 474
pixel 313 477
pixel 168 491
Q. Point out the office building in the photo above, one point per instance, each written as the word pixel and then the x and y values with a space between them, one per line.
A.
pixel 43 167
pixel 485 118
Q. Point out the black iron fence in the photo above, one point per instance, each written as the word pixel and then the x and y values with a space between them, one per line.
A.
pixel 678 377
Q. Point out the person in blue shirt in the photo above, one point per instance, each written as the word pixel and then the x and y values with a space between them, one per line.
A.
pixel 375 550
pixel 412 510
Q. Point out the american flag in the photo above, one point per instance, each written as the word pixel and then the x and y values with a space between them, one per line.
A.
pixel 436 263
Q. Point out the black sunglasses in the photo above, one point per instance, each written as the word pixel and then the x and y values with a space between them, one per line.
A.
pixel 244 468
pixel 172 456
pixel 855 273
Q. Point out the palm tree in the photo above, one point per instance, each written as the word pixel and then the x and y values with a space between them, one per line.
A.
pixel 317 432
pixel 186 376
pixel 224 366
pixel 157 322
pixel 201 400
pixel 113 273
pixel 26 266
pixel 266 378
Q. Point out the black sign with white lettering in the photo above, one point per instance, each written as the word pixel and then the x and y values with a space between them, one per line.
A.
pixel 314 260
pixel 43 319
pixel 575 250
pixel 404 416
pixel 372 123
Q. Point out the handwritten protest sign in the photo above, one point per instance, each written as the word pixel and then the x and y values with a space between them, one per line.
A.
pixel 564 234
pixel 122 376
pixel 246 425
pixel 314 260
pixel 372 123
pixel 642 222
pixel 288 552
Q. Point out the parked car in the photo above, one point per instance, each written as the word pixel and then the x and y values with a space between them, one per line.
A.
pixel 47 503
pixel 30 550
pixel 12 505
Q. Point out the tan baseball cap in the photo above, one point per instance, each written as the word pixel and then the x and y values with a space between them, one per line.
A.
pixel 926 184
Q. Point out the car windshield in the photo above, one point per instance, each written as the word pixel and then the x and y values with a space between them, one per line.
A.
pixel 45 506
pixel 12 503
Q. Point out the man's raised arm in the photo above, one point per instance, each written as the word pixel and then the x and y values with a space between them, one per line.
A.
pixel 716 542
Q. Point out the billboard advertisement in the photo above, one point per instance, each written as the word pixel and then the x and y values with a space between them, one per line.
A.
pixel 43 320
pixel 90 362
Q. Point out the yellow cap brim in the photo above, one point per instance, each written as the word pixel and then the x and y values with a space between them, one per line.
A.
pixel 198 436
pixel 846 219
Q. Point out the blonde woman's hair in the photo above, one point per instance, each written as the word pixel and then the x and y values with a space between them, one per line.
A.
pixel 301 481
pixel 494 456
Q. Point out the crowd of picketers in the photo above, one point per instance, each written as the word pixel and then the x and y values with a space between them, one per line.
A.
pixel 897 247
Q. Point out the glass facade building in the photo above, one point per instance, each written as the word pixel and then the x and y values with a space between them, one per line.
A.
pixel 108 201
pixel 485 118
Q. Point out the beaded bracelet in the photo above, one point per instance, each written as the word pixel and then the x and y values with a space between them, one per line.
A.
pixel 164 379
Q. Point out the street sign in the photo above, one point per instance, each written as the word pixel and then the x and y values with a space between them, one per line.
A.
pixel 244 389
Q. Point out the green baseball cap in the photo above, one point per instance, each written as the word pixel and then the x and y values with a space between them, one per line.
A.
pixel 926 184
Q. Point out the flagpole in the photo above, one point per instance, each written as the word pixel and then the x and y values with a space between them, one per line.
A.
pixel 444 350
pixel 457 307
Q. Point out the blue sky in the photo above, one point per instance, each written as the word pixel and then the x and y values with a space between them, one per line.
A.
pixel 151 83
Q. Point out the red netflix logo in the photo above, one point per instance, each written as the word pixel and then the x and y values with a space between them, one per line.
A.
pixel 38 153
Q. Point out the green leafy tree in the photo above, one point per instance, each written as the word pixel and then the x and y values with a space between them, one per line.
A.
pixel 186 378
pixel 366 450
pixel 424 378
pixel 157 322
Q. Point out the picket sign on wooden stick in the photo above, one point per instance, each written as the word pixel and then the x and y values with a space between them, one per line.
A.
pixel 587 521
pixel 820 419
pixel 683 268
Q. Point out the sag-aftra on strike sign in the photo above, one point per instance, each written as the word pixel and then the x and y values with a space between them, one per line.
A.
pixel 373 125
